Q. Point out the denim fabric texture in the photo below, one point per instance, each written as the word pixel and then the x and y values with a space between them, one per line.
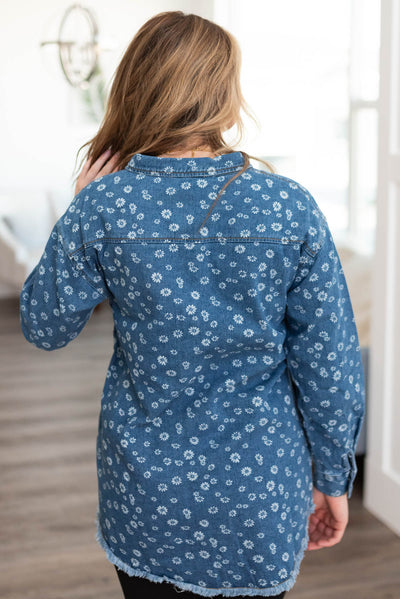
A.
pixel 236 380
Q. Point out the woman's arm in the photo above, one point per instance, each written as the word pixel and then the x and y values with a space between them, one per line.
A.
pixel 324 359
pixel 59 295
pixel 57 299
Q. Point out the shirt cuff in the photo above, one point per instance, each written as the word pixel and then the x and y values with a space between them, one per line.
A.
pixel 336 483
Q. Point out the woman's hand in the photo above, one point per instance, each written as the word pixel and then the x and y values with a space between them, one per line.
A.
pixel 104 165
pixel 327 524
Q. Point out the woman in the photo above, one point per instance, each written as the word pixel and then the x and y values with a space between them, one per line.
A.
pixel 234 397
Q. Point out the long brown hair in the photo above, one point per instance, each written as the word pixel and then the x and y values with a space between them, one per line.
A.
pixel 179 78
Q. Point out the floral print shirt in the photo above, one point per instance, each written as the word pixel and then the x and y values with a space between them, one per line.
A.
pixel 236 381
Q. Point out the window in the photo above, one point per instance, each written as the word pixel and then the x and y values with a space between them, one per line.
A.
pixel 310 74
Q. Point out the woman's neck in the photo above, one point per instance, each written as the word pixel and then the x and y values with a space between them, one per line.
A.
pixel 192 149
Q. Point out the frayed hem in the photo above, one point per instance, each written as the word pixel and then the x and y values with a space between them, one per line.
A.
pixel 204 591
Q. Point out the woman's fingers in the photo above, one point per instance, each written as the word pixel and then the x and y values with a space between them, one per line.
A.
pixel 328 522
pixel 104 165
pixel 97 165
pixel 323 532
pixel 109 166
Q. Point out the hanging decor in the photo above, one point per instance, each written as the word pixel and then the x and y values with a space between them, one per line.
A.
pixel 78 47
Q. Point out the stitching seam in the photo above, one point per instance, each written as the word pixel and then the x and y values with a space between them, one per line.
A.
pixel 191 240
pixel 185 173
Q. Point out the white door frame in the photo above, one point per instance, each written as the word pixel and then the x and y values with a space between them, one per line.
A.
pixel 381 494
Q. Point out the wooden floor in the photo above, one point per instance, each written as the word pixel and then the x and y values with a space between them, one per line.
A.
pixel 48 424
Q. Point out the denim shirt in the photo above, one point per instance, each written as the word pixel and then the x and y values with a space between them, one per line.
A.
pixel 236 381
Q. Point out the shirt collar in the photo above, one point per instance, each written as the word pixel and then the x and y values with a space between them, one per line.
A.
pixel 204 166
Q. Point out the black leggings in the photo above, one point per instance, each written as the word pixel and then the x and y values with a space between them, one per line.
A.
pixel 134 586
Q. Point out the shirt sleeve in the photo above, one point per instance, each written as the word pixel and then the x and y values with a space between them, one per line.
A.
pixel 61 292
pixel 324 360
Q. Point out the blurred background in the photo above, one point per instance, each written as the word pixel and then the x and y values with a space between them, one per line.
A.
pixel 322 78
pixel 310 73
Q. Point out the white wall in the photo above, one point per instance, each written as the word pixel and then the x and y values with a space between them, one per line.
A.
pixel 40 123
pixel 39 136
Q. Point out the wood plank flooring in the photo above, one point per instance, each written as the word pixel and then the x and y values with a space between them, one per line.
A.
pixel 48 424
